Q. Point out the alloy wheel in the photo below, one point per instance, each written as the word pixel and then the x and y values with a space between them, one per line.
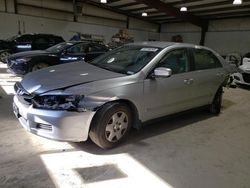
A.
pixel 116 127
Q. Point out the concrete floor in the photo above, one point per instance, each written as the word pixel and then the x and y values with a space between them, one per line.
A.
pixel 189 151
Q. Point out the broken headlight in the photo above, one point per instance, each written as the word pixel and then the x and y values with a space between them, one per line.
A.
pixel 60 102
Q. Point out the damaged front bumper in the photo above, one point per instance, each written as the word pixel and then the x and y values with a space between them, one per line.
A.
pixel 54 124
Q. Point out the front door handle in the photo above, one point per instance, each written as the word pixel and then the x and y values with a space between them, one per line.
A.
pixel 188 81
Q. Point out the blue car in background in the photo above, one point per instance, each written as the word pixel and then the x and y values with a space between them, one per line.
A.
pixel 66 52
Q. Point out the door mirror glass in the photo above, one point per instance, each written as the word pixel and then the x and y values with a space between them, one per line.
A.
pixel 162 72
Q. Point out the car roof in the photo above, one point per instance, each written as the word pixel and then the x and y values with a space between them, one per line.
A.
pixel 159 44
pixel 86 42
pixel 38 34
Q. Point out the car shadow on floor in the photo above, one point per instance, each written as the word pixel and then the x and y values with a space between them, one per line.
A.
pixel 155 128
pixel 148 130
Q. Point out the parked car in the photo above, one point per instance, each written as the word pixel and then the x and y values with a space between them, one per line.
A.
pixel 27 42
pixel 135 83
pixel 243 74
pixel 66 52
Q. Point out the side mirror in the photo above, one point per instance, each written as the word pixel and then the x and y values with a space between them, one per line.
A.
pixel 64 52
pixel 162 72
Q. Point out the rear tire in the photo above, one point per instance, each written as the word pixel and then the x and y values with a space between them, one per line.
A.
pixel 110 125
pixel 215 106
pixel 39 66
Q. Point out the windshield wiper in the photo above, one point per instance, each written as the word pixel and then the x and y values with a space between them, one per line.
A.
pixel 106 67
pixel 110 69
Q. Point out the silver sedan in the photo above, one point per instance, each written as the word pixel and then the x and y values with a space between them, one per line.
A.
pixel 121 89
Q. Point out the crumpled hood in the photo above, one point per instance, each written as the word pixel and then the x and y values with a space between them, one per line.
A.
pixel 29 54
pixel 63 76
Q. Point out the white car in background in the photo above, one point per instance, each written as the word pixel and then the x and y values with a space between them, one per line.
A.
pixel 243 74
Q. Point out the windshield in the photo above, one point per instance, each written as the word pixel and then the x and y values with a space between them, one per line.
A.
pixel 59 47
pixel 126 59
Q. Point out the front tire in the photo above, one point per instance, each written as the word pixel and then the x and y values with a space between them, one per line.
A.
pixel 215 106
pixel 4 56
pixel 111 125
pixel 39 66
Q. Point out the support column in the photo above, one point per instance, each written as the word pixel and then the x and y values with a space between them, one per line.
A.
pixel 127 22
pixel 74 11
pixel 203 34
pixel 5 5
pixel 15 6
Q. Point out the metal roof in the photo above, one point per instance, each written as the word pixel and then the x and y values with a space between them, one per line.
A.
pixel 166 11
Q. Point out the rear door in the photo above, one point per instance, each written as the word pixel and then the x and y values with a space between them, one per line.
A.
pixel 208 74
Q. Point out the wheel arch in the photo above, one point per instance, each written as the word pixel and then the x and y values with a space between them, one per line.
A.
pixel 135 114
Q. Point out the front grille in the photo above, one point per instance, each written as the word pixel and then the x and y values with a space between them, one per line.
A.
pixel 44 127
pixel 246 77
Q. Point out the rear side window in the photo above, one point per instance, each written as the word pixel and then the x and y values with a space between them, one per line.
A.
pixel 41 40
pixel 54 39
pixel 57 39
pixel 176 60
pixel 97 48
pixel 204 59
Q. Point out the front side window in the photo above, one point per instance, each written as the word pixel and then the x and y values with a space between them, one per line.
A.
pixel 176 60
pixel 24 39
pixel 204 59
pixel 126 59
pixel 78 48
pixel 59 47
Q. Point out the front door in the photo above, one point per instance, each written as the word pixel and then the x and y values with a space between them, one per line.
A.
pixel 173 94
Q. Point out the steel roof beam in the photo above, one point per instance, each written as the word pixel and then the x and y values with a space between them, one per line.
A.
pixel 172 11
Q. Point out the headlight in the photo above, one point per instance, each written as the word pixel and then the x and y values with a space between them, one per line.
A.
pixel 60 102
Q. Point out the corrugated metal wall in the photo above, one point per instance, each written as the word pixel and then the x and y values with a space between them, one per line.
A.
pixel 90 19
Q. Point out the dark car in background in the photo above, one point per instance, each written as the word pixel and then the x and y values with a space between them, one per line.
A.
pixel 27 42
pixel 66 52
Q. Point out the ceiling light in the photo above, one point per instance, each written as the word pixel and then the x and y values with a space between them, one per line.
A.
pixel 183 9
pixel 237 2
pixel 144 14
pixel 103 1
